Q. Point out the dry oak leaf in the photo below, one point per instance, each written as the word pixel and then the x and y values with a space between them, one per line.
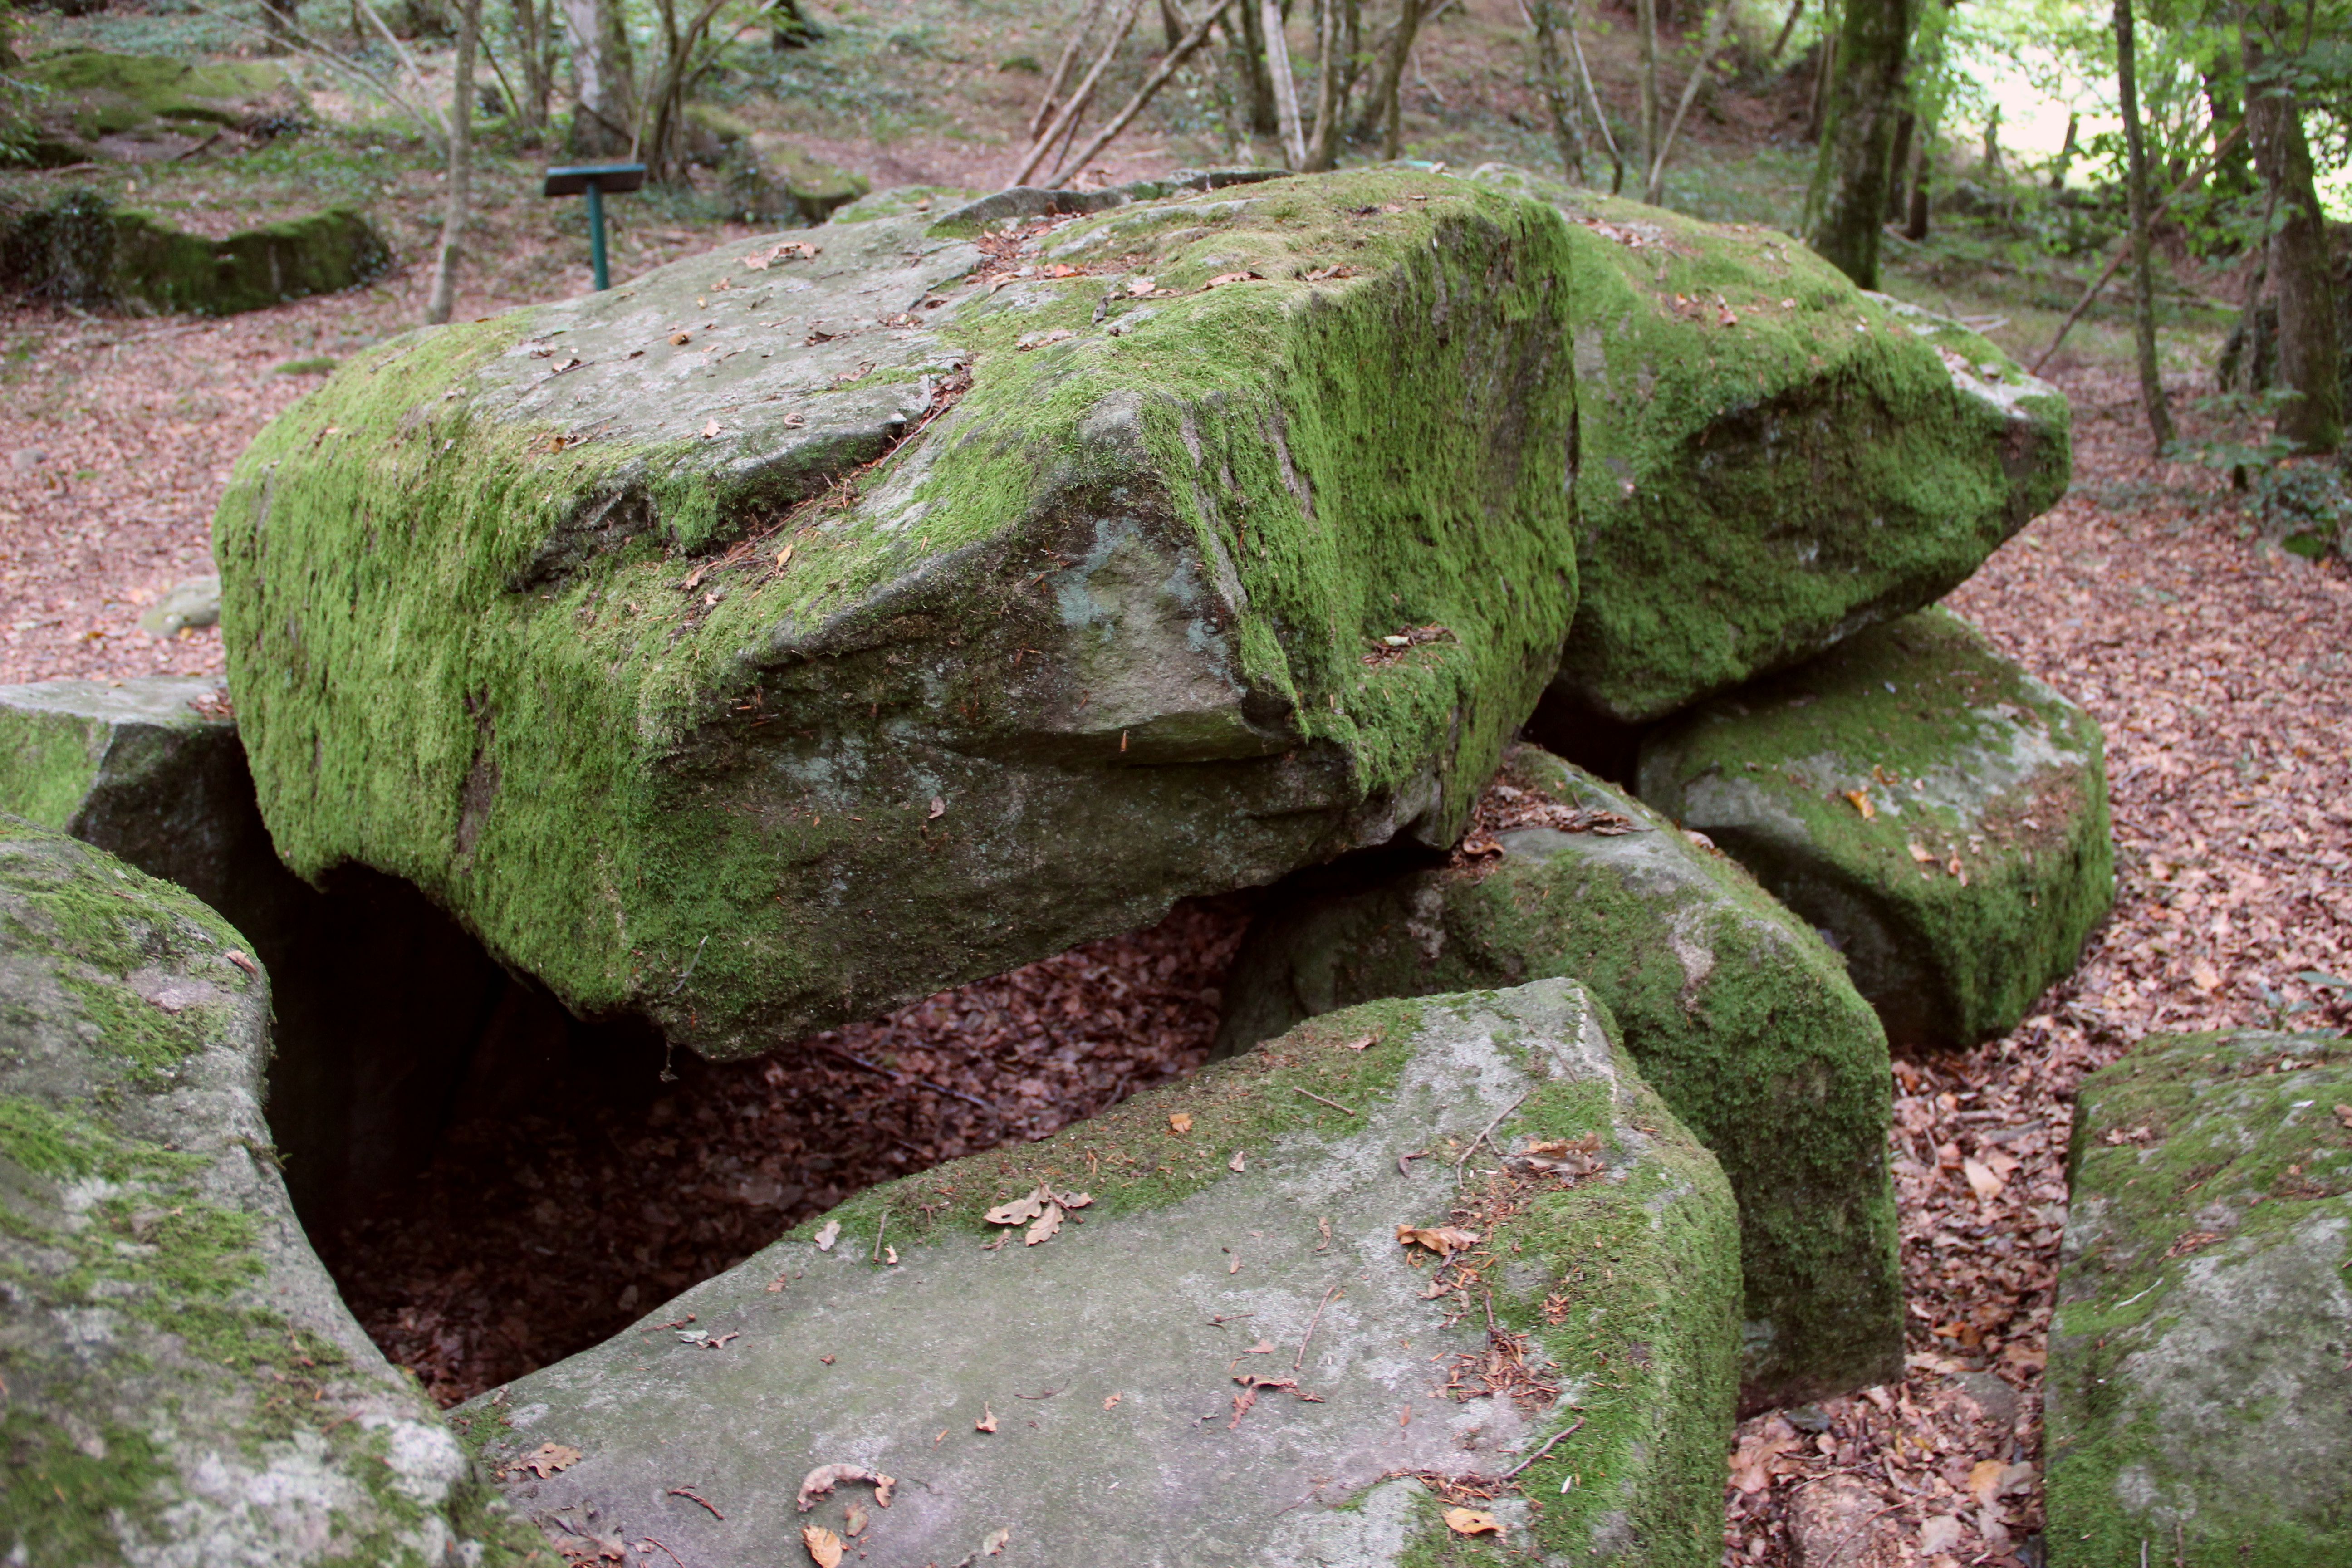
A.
pixel 1112 1402
pixel 996 1540
pixel 828 1236
pixel 1472 1521
pixel 822 1545
pixel 987 1422
pixel 1860 799
pixel 1235 1163
pixel 1987 1182
pixel 2343 1113
pixel 1444 1240
pixel 1181 1122
pixel 855 1525
pixel 1047 1226
pixel 547 1460
pixel 1020 1211
pixel 1222 278
pixel 821 1482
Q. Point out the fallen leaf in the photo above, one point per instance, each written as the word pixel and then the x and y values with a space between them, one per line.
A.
pixel 1181 1122
pixel 1049 1224
pixel 1222 278
pixel 681 339
pixel 1020 1211
pixel 1137 288
pixel 1860 799
pixel 795 250
pixel 2343 1113
pixel 1235 1163
pixel 938 809
pixel 710 430
pixel 821 1482
pixel 987 1422
pixel 995 1541
pixel 1926 857
pixel 1264 1347
pixel 822 1545
pixel 1727 318
pixel 1242 1404
pixel 756 263
pixel 2204 975
pixel 890 1256
pixel 1061 270
pixel 1472 1521
pixel 1984 1480
pixel 828 1236
pixel 854 1524
pixel 1359 1043
pixel 1984 1179
pixel 252 968
pixel 1112 1402
pixel 784 557
pixel 2191 1241
pixel 1444 1240
pixel 1941 1533
pixel 548 1459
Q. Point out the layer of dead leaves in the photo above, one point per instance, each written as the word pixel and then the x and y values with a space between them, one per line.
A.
pixel 527 1241
pixel 2217 670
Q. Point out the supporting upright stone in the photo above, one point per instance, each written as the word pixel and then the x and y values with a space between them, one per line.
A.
pixel 808 626
pixel 2197 1401
pixel 1734 1011
pixel 1772 458
pixel 183 1383
pixel 1269 1315
pixel 1938 812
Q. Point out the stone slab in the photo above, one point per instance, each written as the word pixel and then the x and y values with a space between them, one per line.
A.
pixel 1106 1355
pixel 2196 1399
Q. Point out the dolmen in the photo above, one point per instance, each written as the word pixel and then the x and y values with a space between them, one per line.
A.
pixel 840 617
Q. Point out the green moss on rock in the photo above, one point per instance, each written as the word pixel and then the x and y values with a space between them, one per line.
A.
pixel 182 1382
pixel 1744 1021
pixel 1235 1210
pixel 509 611
pixel 2196 1398
pixel 1939 812
pixel 98 94
pixel 1772 458
pixel 81 249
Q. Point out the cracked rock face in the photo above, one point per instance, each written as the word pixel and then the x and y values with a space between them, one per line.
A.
pixel 2196 1389
pixel 1744 1021
pixel 782 635
pixel 184 1386
pixel 1085 1395
pixel 1936 810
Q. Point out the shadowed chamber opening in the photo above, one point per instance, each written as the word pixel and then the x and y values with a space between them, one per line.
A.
pixel 495 1185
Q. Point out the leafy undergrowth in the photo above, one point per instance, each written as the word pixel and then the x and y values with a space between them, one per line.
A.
pixel 2217 668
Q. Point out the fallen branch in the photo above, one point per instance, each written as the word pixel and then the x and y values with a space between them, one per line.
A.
pixel 1482 1136
pixel 1301 1359
pixel 1078 100
pixel 1061 77
pixel 1184 51
pixel 1654 185
pixel 1556 1436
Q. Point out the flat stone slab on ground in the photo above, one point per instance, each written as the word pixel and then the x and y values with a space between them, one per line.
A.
pixel 2197 1398
pixel 1941 813
pixel 1733 1010
pixel 1243 1225
pixel 184 1384
pixel 1772 458
pixel 711 650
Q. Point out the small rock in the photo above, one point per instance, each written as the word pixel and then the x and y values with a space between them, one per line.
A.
pixel 28 457
pixel 1995 1401
pixel 194 603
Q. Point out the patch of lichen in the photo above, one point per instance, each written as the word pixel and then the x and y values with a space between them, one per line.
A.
pixel 386 658
pixel 1770 456
pixel 2190 1143
pixel 1131 1157
pixel 1922 721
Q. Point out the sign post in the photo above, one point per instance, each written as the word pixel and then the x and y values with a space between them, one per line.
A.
pixel 592 180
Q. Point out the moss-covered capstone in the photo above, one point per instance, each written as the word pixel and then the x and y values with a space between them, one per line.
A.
pixel 1772 458
pixel 2196 1399
pixel 183 1383
pixel 776 638
pixel 1243 1223
pixel 79 248
pixel 1939 812
pixel 1734 1011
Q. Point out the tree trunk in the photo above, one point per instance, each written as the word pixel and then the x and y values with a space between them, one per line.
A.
pixel 1788 25
pixel 461 163
pixel 2299 269
pixel 1171 23
pixel 1993 142
pixel 604 110
pixel 1286 90
pixel 2151 379
pixel 1654 190
pixel 1262 122
pixel 2066 152
pixel 1922 173
pixel 1567 118
pixel 1592 101
pixel 2233 176
pixel 1384 114
pixel 1646 128
pixel 1898 164
pixel 1817 114
pixel 1051 98
pixel 1321 147
pixel 1849 193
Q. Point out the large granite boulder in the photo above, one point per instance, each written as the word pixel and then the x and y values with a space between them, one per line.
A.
pixel 89 104
pixel 1938 811
pixel 1270 1314
pixel 1772 458
pixel 183 1385
pixel 2197 1401
pixel 780 636
pixel 1733 1010
pixel 79 248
